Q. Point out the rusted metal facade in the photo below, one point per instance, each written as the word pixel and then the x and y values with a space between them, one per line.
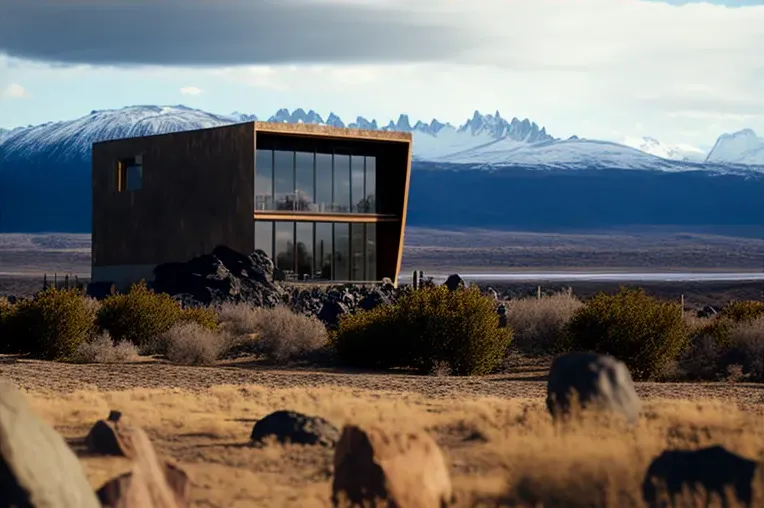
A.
pixel 171 197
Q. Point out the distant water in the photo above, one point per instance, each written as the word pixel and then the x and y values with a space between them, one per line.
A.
pixel 599 276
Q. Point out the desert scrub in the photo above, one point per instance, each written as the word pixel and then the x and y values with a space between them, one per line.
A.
pixel 102 349
pixel 645 333
pixel 6 311
pixel 278 333
pixel 52 325
pixel 139 316
pixel 206 317
pixel 425 329
pixel 189 343
pixel 539 323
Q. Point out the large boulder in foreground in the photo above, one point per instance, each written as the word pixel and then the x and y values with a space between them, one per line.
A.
pixel 297 428
pixel 715 469
pixel 598 382
pixel 405 470
pixel 37 467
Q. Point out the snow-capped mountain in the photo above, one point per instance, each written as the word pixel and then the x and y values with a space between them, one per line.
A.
pixel 680 152
pixel 482 140
pixel 741 147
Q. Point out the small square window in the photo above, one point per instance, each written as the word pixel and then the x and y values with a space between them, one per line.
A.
pixel 129 175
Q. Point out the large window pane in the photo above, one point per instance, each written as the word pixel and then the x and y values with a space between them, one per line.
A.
pixel 304 192
pixel 371 252
pixel 341 251
pixel 371 184
pixel 357 194
pixel 285 248
pixel 324 182
pixel 264 180
pixel 357 245
pixel 264 237
pixel 304 240
pixel 324 250
pixel 341 183
pixel 283 175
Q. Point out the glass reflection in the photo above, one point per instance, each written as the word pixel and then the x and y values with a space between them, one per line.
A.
pixel 283 177
pixel 284 232
pixel 357 192
pixel 371 185
pixel 264 180
pixel 357 245
pixel 264 237
pixel 323 250
pixel 304 248
pixel 323 182
pixel 303 170
pixel 341 251
pixel 341 183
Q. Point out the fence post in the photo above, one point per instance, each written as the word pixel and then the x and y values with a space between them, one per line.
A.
pixel 538 293
pixel 682 302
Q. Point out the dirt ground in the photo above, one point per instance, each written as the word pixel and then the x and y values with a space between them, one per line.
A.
pixel 501 445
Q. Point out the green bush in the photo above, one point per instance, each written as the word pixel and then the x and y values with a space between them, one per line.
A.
pixel 139 315
pixel 6 311
pixel 645 333
pixel 52 325
pixel 426 328
pixel 745 310
pixel 206 317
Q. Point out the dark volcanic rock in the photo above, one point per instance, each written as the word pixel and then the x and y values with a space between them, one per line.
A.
pixel 222 276
pixel 454 282
pixel 293 427
pixel 599 381
pixel 714 468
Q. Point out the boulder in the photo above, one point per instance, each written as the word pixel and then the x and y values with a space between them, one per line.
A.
pixel 715 469
pixel 37 467
pixel 406 470
pixel 600 382
pixel 103 437
pixel 454 282
pixel 151 483
pixel 293 427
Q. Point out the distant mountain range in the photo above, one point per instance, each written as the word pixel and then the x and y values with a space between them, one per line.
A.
pixel 490 171
pixel 483 140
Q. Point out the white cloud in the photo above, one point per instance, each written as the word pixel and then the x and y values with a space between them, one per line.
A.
pixel 14 91
pixel 190 90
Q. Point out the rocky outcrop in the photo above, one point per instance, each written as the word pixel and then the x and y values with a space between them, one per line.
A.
pixel 402 469
pixel 592 382
pixel 293 427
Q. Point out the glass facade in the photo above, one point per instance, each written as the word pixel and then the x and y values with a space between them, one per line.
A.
pixel 337 251
pixel 314 182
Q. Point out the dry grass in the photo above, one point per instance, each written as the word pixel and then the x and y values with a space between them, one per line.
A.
pixel 102 349
pixel 503 451
pixel 538 323
pixel 279 334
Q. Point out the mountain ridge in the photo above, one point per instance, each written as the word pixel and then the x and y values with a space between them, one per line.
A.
pixel 483 139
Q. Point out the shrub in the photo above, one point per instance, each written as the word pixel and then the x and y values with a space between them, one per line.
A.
pixel 189 343
pixel 645 333
pixel 427 329
pixel 745 310
pixel 203 316
pixel 539 324
pixel 139 316
pixel 239 318
pixel 52 325
pixel 102 349
pixel 283 335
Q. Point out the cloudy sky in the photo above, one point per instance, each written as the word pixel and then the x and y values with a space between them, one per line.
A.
pixel 681 71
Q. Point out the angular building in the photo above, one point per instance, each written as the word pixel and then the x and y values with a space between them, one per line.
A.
pixel 325 203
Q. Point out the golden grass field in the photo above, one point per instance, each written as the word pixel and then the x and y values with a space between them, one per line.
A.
pixel 500 442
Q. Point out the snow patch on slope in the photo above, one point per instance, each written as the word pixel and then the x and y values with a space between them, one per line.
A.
pixel 741 147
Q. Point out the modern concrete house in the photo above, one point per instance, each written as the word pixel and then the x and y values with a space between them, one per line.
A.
pixel 325 203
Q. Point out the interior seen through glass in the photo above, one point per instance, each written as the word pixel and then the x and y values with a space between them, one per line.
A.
pixel 338 251
pixel 315 182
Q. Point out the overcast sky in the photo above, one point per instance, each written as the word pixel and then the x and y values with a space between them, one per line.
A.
pixel 683 72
